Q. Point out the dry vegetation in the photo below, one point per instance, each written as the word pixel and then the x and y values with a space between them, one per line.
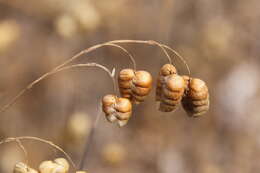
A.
pixel 220 40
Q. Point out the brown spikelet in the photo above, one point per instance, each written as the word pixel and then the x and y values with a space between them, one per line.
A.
pixel 169 89
pixel 117 109
pixel 166 70
pixel 134 85
pixel 196 99
pixel 172 90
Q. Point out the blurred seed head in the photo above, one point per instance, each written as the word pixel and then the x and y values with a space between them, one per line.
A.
pixel 86 15
pixel 218 35
pixel 66 26
pixel 114 153
pixel 9 33
pixel 78 127
pixel 60 165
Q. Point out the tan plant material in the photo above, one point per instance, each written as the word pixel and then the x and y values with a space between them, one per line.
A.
pixel 196 99
pixel 117 109
pixel 23 168
pixel 170 88
pixel 134 85
pixel 9 33
pixel 88 50
pixel 114 153
pixel 59 165
pixel 166 70
pixel 77 128
pixel 7 140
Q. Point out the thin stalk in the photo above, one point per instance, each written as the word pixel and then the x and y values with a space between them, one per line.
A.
pixel 178 55
pixel 88 141
pixel 162 46
pixel 150 42
pixel 88 50
pixel 7 140
pixel 31 85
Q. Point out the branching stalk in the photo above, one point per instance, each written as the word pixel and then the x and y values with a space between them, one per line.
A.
pixel 7 140
pixel 31 85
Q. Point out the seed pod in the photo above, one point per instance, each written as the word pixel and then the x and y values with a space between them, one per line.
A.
pixel 196 99
pixel 59 165
pixel 166 70
pixel 134 85
pixel 172 90
pixel 63 162
pixel 117 109
pixel 23 168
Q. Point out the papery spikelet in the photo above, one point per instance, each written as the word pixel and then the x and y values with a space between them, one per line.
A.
pixel 134 85
pixel 196 99
pixel 171 92
pixel 117 109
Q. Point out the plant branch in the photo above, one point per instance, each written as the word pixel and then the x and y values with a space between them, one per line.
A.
pixel 7 140
pixel 89 141
pixel 31 85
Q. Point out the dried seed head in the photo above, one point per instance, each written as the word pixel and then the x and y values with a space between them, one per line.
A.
pixel 166 70
pixel 63 162
pixel 114 153
pixel 59 165
pixel 134 85
pixel 109 100
pixel 172 91
pixel 77 128
pixel 23 168
pixel 126 74
pixel 117 109
pixel 46 166
pixel 196 99
pixel 123 105
pixel 187 80
pixel 142 79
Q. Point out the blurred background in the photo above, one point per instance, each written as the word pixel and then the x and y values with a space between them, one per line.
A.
pixel 218 38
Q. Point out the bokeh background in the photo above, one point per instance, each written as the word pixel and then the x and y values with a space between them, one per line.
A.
pixel 218 38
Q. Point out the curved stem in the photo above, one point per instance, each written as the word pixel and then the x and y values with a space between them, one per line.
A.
pixel 162 46
pixel 178 55
pixel 150 42
pixel 90 49
pixel 40 140
pixel 13 101
pixel 20 145
pixel 130 55
pixel 90 65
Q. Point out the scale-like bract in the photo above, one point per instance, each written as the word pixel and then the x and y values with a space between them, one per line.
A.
pixel 196 99
pixel 170 88
pixel 134 85
pixel 117 109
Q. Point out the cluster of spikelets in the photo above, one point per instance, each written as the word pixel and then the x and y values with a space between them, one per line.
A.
pixel 59 165
pixel 135 85
pixel 171 90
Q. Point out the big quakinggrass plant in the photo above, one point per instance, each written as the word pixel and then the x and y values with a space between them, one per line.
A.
pixel 132 87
